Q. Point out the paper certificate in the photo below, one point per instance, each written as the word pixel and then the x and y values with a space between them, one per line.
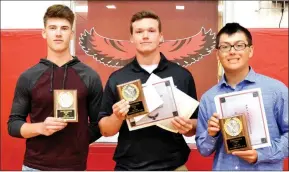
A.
pixel 186 105
pixel 250 103
pixel 167 110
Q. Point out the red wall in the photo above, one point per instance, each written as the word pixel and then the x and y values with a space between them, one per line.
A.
pixel 21 49
pixel 271 53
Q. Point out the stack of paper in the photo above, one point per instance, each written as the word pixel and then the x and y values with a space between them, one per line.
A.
pixel 160 101
pixel 164 102
pixel 186 105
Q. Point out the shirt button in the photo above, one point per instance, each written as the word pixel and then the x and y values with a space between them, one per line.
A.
pixel 208 150
pixel 236 167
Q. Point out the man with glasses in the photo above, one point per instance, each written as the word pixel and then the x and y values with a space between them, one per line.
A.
pixel 234 49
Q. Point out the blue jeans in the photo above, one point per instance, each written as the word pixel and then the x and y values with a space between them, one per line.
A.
pixel 25 168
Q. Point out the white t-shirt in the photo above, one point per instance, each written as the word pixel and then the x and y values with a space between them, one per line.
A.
pixel 149 68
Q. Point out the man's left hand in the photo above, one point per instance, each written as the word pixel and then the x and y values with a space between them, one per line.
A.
pixel 247 155
pixel 183 125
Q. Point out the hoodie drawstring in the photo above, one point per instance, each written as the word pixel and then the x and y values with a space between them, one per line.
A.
pixel 64 78
pixel 51 78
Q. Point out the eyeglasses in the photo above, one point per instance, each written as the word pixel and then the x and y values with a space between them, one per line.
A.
pixel 237 47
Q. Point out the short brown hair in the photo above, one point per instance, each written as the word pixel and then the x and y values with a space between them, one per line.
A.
pixel 145 14
pixel 59 11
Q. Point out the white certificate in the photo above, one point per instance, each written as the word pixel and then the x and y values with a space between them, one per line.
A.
pixel 186 105
pixel 250 103
pixel 152 97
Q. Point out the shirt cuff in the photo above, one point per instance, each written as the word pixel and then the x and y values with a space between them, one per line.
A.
pixel 212 140
pixel 260 155
pixel 209 141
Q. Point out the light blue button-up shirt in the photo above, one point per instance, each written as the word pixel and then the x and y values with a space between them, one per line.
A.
pixel 275 98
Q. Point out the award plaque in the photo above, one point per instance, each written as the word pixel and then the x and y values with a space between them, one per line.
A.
pixel 65 105
pixel 235 133
pixel 133 93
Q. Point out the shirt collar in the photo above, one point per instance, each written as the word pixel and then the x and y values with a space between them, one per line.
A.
pixel 251 77
pixel 161 66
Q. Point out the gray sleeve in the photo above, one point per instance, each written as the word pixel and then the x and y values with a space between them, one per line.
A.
pixel 20 107
pixel 95 92
pixel 94 102
pixel 109 98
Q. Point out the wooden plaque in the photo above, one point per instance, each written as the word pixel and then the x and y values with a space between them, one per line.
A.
pixel 235 133
pixel 132 91
pixel 65 105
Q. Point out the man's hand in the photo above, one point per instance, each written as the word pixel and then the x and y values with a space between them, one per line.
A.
pixel 247 155
pixel 120 109
pixel 213 125
pixel 110 125
pixel 183 125
pixel 52 125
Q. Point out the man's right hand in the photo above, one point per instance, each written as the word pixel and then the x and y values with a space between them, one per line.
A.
pixel 120 109
pixel 213 125
pixel 52 125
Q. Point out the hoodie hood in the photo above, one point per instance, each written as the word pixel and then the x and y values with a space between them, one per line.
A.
pixel 52 65
pixel 69 63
